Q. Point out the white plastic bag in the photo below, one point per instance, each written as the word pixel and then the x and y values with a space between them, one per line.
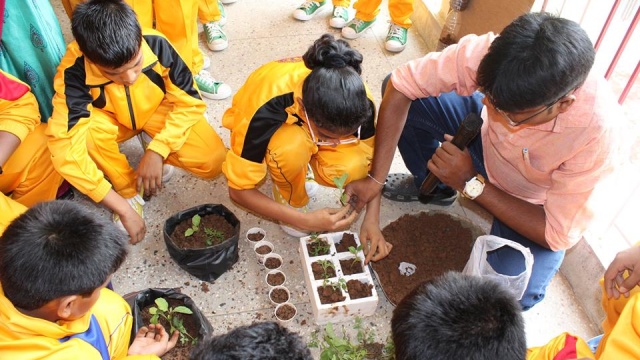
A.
pixel 479 266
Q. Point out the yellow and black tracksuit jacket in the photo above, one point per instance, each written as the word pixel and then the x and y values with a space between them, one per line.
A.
pixel 82 91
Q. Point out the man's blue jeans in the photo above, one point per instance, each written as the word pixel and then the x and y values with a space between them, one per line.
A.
pixel 427 122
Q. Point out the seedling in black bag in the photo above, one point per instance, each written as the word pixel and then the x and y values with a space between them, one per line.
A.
pixel 162 310
pixel 211 234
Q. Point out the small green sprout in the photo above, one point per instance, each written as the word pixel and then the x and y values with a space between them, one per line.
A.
pixel 339 182
pixel 195 225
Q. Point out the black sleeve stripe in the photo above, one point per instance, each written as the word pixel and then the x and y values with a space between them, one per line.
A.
pixel 155 78
pixel 266 121
pixel 77 92
pixel 369 128
pixel 179 72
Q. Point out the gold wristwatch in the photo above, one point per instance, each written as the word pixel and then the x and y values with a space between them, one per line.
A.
pixel 473 188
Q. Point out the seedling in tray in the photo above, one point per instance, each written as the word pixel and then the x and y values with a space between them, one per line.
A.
pixel 162 310
pixel 328 269
pixel 318 246
pixel 354 251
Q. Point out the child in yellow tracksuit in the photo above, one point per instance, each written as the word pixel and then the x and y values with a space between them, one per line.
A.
pixel 177 20
pixel 106 94
pixel 299 112
pixel 55 260
pixel 27 175
pixel 621 339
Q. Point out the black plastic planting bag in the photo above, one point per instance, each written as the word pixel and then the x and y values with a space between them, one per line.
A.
pixel 208 263
pixel 144 298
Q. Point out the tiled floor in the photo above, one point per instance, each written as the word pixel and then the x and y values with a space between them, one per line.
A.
pixel 260 31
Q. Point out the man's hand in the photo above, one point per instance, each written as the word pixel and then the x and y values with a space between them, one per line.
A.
pixel 153 340
pixel 627 260
pixel 363 191
pixel 451 165
pixel 149 172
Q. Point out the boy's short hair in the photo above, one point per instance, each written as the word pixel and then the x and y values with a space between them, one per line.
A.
pixel 57 249
pixel 258 341
pixel 107 32
pixel 536 60
pixel 458 316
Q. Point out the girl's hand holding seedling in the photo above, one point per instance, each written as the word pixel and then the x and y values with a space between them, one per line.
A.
pixel 329 219
pixel 153 340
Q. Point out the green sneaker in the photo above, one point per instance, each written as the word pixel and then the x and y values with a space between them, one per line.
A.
pixel 216 38
pixel 307 10
pixel 211 88
pixel 355 28
pixel 339 18
pixel 396 38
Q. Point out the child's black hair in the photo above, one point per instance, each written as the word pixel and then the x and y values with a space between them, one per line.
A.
pixel 334 94
pixel 56 249
pixel 107 31
pixel 459 316
pixel 259 341
pixel 536 60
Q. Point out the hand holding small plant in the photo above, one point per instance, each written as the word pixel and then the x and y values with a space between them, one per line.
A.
pixel 340 182
pixel 162 310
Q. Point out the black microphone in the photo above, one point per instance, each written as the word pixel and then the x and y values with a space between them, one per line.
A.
pixel 469 128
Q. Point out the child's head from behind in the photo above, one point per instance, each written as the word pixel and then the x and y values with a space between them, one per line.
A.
pixel 58 249
pixel 258 341
pixel 333 94
pixel 109 36
pixel 457 316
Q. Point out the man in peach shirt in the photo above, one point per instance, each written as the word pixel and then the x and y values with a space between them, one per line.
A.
pixel 545 142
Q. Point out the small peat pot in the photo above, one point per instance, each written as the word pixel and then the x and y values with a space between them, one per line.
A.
pixel 285 312
pixel 256 234
pixel 155 305
pixel 272 261
pixel 262 248
pixel 203 240
pixel 279 294
pixel 340 287
pixel 275 278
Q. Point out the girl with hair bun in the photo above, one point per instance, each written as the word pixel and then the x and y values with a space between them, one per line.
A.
pixel 304 121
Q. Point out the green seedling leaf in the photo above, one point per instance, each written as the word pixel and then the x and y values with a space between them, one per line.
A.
pixel 153 310
pixel 339 181
pixel 163 305
pixel 188 232
pixel 154 319
pixel 182 310
pixel 195 220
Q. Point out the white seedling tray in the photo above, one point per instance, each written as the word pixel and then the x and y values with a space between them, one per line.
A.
pixel 343 310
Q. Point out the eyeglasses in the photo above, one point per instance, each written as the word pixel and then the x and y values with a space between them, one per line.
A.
pixel 516 123
pixel 350 140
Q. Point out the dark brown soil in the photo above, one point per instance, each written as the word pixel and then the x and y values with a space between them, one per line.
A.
pixel 435 242
pixel 204 287
pixel 318 247
pixel 263 250
pixel 351 266
pixel 347 240
pixel 272 263
pixel 374 350
pixel 199 238
pixel 319 272
pixel 256 236
pixel 286 312
pixel 181 351
pixel 329 295
pixel 275 279
pixel 279 296
pixel 358 290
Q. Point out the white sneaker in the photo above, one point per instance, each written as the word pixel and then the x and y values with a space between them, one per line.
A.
pixel 310 184
pixel 295 232
pixel 339 18
pixel 207 62
pixel 137 203
pixel 167 170
pixel 307 10
pixel 216 38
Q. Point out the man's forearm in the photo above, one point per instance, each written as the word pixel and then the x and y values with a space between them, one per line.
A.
pixel 527 219
pixel 391 119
